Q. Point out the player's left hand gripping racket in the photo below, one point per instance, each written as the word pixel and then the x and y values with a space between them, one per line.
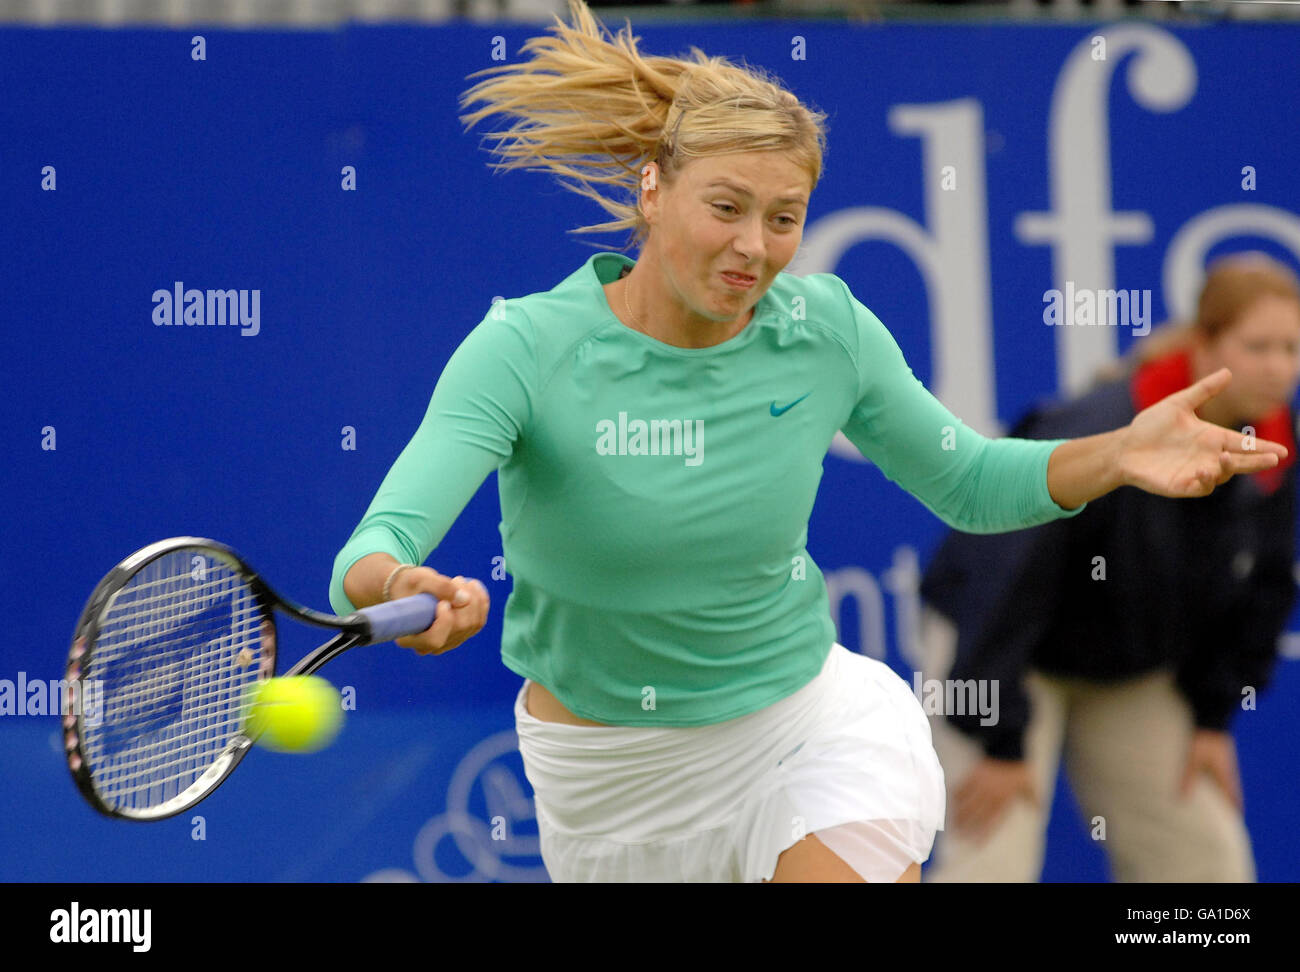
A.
pixel 168 643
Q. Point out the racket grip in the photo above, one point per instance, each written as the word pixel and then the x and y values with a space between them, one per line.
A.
pixel 396 619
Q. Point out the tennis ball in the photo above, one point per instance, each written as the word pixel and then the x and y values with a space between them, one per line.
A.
pixel 293 714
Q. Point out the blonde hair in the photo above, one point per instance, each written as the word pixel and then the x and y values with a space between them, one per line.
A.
pixel 594 109
pixel 1232 284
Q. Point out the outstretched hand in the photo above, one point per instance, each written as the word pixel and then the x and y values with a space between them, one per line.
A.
pixel 1168 450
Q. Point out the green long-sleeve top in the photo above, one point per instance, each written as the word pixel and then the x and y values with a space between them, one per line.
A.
pixel 655 499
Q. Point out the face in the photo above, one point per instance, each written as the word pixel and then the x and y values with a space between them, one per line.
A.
pixel 1262 347
pixel 743 212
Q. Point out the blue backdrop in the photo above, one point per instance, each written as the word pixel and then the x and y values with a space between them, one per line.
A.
pixel 971 169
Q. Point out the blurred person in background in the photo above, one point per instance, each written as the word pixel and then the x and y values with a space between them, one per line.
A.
pixel 1127 637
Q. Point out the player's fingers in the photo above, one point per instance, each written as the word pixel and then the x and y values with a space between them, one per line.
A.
pixel 469 603
pixel 426 580
pixel 462 595
pixel 1196 395
pixel 482 601
pixel 433 640
pixel 1242 443
pixel 461 627
pixel 467 621
pixel 1241 462
pixel 475 613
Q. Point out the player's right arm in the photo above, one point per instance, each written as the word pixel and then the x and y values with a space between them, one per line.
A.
pixel 479 410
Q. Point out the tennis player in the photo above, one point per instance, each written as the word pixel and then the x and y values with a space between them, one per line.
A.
pixel 658 427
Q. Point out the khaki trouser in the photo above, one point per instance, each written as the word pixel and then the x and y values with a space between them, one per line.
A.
pixel 1125 746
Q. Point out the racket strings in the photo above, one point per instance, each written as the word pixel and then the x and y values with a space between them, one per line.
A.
pixel 177 647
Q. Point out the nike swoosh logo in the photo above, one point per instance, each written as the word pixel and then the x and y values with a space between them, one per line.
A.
pixel 786 408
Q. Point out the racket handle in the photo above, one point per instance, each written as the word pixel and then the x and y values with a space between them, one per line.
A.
pixel 396 619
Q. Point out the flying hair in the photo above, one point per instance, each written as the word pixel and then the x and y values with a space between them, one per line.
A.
pixel 591 108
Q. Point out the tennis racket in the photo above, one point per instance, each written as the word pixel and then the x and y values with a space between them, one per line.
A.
pixel 169 641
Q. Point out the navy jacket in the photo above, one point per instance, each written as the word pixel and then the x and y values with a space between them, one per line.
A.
pixel 1203 586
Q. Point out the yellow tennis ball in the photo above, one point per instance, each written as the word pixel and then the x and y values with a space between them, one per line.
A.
pixel 293 714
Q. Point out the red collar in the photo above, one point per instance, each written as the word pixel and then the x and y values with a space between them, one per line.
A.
pixel 1163 376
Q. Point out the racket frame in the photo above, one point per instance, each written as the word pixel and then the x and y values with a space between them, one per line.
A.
pixel 353 630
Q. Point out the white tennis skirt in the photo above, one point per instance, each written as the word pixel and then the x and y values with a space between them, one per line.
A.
pixel 847 757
